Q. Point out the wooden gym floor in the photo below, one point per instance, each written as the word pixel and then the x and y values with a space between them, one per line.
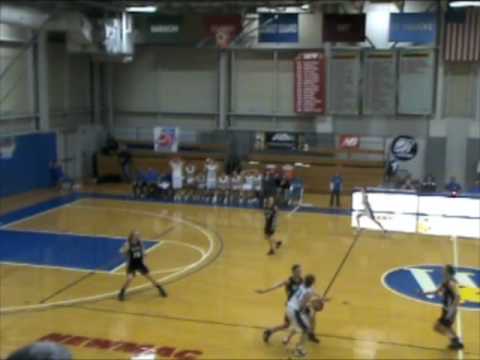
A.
pixel 211 260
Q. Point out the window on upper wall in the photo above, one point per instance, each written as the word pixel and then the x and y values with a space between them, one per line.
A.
pixel 459 90
pixel 15 94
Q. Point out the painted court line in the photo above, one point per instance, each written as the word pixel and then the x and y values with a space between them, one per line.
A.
pixel 107 295
pixel 33 231
pixel 40 213
pixel 51 267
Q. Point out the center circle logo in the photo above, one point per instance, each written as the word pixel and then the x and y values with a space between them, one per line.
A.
pixel 412 281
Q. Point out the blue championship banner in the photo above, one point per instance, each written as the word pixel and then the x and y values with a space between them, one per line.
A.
pixel 278 28
pixel 418 28
pixel 165 139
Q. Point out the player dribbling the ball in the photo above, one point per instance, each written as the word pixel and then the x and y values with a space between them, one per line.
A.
pixel 451 300
pixel 299 313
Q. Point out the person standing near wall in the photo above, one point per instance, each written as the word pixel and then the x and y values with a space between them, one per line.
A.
pixel 176 164
pixel 125 162
pixel 453 186
pixel 336 183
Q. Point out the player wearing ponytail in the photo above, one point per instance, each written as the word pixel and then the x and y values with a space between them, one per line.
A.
pixel 134 252
pixel 451 300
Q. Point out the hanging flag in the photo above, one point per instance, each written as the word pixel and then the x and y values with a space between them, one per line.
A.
pixel 462 35
pixel 223 28
pixel 344 28
pixel 278 28
pixel 418 28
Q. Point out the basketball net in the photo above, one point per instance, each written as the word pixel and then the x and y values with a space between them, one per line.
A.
pixel 223 36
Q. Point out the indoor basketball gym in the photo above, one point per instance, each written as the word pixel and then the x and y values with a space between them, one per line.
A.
pixel 236 139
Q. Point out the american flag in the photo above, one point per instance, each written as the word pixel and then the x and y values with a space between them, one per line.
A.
pixel 462 35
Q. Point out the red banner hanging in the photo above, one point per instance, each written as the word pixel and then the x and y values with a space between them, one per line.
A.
pixel 310 80
pixel 224 28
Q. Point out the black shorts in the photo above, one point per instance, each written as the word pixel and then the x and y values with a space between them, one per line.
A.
pixel 448 317
pixel 135 266
pixel 269 231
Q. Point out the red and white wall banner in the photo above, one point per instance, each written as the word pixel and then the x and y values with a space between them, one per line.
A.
pixel 310 83
pixel 349 142
pixel 224 28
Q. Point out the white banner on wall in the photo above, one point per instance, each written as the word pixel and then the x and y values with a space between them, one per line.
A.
pixel 165 139
pixel 416 82
pixel 344 84
pixel 380 83
pixel 424 214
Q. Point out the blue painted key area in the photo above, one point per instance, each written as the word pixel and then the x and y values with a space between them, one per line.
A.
pixel 63 250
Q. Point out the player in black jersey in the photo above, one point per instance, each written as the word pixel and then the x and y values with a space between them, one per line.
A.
pixel 133 250
pixel 451 300
pixel 271 215
pixel 291 285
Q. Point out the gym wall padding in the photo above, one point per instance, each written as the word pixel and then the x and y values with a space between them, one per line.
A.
pixel 28 168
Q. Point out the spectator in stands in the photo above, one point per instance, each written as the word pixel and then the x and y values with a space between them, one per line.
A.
pixel 453 186
pixel 392 169
pixel 44 350
pixel 111 146
pixel 336 183
pixel 408 184
pixel 269 184
pixel 140 185
pixel 286 178
pixel 58 177
pixel 428 184
pixel 152 179
pixel 126 162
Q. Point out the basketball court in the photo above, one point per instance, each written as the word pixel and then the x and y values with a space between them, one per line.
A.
pixel 211 260
pixel 211 146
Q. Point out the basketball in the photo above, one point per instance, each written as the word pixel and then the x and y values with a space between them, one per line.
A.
pixel 317 304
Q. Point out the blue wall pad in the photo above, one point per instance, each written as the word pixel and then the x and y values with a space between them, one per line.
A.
pixel 28 168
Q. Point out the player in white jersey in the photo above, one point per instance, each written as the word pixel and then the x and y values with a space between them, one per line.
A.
pixel 247 187
pixel 298 316
pixel 211 168
pixel 190 180
pixel 223 188
pixel 236 186
pixel 367 211
pixel 176 165
pixel 257 187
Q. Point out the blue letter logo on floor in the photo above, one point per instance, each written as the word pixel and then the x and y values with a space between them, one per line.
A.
pixel 412 281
